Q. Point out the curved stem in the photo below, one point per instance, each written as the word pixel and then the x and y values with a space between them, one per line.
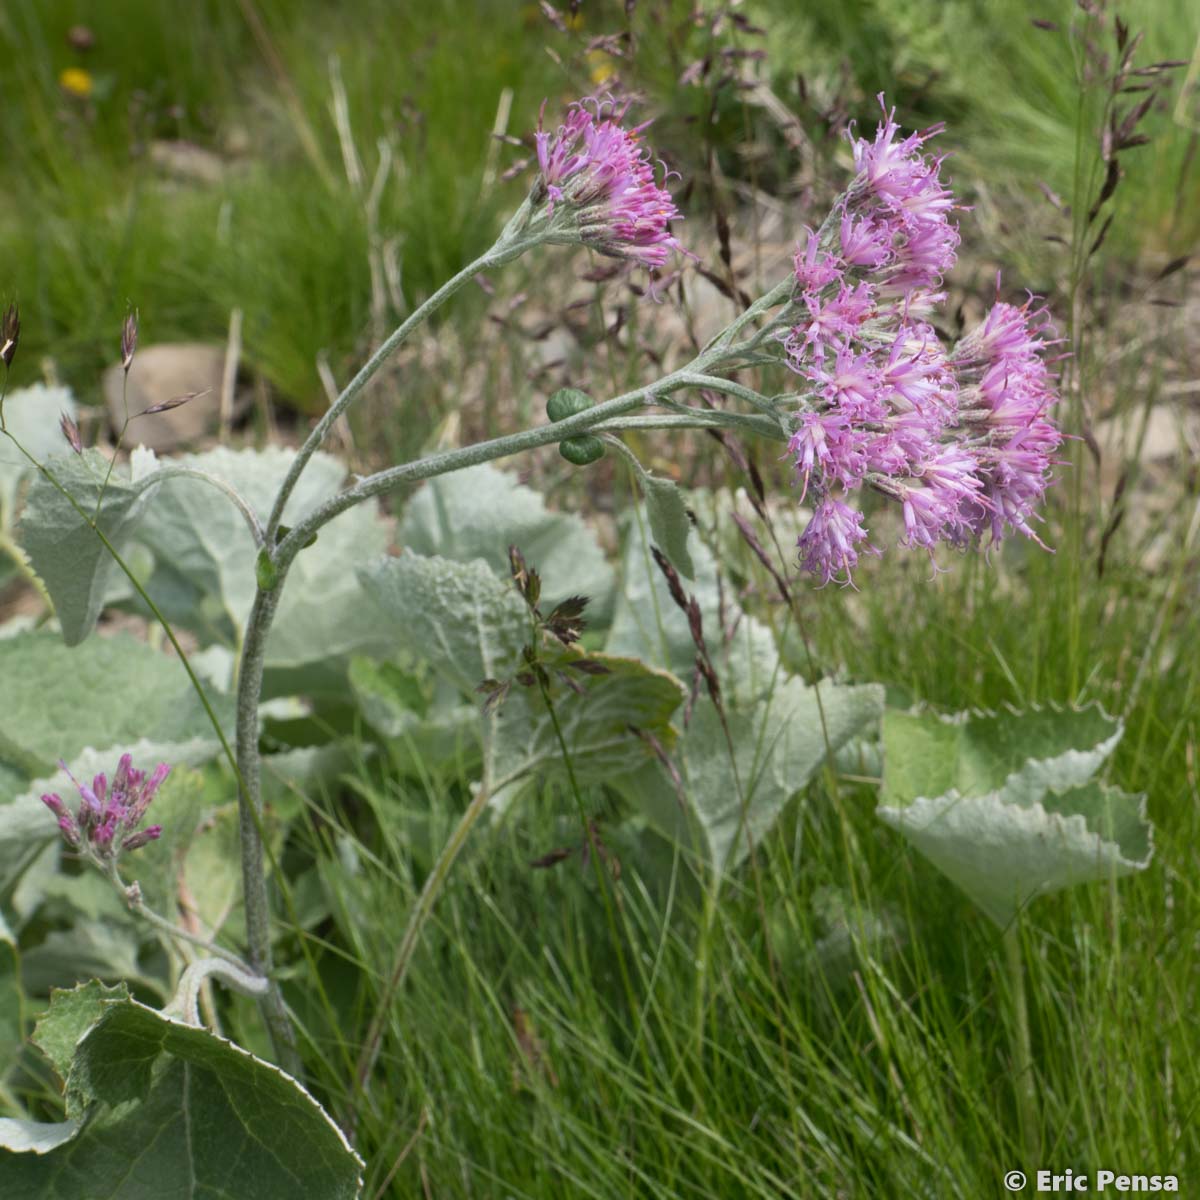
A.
pixel 132 895
pixel 777 295
pixel 601 418
pixel 185 1003
pixel 13 552
pixel 509 246
pixel 282 554
pixel 239 501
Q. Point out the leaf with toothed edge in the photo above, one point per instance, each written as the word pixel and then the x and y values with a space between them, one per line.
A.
pixel 926 754
pixel 1004 804
pixel 175 1110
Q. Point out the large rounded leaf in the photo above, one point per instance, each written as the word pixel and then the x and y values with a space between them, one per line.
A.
pixel 1005 805
pixel 172 1110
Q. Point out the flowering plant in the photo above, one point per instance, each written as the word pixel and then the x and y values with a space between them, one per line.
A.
pixel 960 438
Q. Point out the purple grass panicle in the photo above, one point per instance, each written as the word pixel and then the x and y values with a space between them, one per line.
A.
pixel 110 815
pixel 961 439
pixel 598 183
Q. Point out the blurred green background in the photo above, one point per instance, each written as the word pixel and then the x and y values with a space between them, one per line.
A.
pixel 186 159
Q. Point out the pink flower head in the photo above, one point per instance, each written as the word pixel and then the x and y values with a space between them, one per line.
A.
pixel 832 321
pixel 809 447
pixel 833 540
pixel 866 242
pixel 915 372
pixel 896 169
pixel 814 268
pixel 923 255
pixel 962 440
pixel 852 383
pixel 918 435
pixel 600 179
pixel 829 445
pixel 1014 477
pixel 930 514
pixel 953 471
pixel 1007 334
pixel 108 818
pixel 1015 393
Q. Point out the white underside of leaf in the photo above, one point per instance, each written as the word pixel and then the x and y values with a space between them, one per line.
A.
pixel 1003 854
pixel 35 1137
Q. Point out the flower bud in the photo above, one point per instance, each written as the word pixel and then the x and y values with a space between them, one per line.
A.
pixel 66 825
pixel 137 840
pixel 582 451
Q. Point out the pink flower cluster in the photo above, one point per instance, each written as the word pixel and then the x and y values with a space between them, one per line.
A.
pixel 601 178
pixel 108 817
pixel 959 439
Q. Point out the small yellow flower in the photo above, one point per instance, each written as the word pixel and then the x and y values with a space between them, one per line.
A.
pixel 601 66
pixel 75 81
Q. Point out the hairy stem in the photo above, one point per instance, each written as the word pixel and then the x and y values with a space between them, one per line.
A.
pixel 729 388
pixel 695 418
pixel 467 456
pixel 605 417
pixel 132 895
pixel 254 879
